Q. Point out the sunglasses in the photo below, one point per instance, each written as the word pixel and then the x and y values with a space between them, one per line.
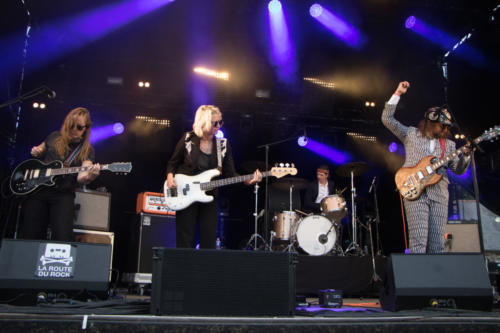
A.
pixel 217 123
pixel 80 127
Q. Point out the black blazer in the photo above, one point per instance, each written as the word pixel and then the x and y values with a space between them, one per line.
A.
pixel 310 205
pixel 185 162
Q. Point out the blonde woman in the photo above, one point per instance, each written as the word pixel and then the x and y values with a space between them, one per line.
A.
pixel 195 153
pixel 55 205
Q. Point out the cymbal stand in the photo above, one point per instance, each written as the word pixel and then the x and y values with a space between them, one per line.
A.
pixel 354 244
pixel 289 247
pixel 377 220
pixel 375 277
pixel 255 235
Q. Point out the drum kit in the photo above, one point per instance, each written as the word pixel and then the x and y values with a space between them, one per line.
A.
pixel 317 234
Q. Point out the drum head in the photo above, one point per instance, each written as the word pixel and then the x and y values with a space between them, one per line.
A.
pixel 316 235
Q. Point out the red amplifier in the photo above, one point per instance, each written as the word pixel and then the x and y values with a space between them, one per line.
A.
pixel 153 203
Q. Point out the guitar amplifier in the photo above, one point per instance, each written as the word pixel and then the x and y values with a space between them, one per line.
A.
pixel 153 203
pixel 92 210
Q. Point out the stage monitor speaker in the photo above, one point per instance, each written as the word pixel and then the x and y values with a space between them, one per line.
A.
pixel 92 210
pixel 222 282
pixel 148 231
pixel 419 281
pixel 32 267
pixel 461 236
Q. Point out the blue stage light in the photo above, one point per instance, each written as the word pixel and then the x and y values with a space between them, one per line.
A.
pixel 274 6
pixel 302 141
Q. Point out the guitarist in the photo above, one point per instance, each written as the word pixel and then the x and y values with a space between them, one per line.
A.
pixel 196 152
pixel 427 215
pixel 56 203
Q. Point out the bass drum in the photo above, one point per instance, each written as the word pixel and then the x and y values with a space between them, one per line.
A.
pixel 316 235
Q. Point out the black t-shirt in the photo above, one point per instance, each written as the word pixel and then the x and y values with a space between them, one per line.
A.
pixel 65 183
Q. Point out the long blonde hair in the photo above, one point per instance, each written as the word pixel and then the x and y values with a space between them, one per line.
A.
pixel 62 142
pixel 203 119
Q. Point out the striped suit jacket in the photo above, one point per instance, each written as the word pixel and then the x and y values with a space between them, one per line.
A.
pixel 417 146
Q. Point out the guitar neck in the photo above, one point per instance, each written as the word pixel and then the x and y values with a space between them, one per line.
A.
pixel 450 157
pixel 67 171
pixel 228 181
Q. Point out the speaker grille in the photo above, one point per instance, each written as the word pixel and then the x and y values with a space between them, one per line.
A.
pixel 211 282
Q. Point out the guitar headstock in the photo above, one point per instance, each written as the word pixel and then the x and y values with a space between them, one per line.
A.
pixel 490 134
pixel 120 167
pixel 283 169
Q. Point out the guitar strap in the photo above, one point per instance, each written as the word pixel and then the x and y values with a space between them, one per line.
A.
pixel 221 151
pixel 73 155
pixel 442 142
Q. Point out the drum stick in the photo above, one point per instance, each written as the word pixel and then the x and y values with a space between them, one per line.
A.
pixel 301 212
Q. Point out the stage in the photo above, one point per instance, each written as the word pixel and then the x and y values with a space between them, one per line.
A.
pixel 130 314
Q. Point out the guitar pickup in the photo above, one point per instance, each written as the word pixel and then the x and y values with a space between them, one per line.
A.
pixel 420 175
pixel 185 189
pixel 172 192
pixel 429 169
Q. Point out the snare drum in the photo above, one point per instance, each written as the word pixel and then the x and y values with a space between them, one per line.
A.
pixel 284 224
pixel 334 207
pixel 316 235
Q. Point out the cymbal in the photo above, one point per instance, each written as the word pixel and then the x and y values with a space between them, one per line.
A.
pixel 251 166
pixel 357 168
pixel 285 183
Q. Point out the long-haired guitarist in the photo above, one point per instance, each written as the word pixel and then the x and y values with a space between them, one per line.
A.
pixel 427 215
pixel 55 204
pixel 196 152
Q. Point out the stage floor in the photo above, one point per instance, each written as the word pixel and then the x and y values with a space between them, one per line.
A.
pixel 130 313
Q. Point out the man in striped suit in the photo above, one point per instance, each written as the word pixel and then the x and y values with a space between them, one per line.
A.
pixel 427 215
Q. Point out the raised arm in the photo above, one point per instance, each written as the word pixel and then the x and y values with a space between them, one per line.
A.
pixel 398 129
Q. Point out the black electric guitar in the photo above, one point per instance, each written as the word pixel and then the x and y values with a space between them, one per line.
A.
pixel 33 173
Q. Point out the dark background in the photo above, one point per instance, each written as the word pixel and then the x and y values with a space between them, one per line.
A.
pixel 163 46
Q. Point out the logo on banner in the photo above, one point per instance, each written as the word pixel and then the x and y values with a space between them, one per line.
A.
pixel 56 260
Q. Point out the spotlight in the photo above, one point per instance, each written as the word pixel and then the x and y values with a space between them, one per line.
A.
pixel 372 104
pixel 457 136
pixel 274 6
pixel 393 146
pixel 315 10
pixel 36 105
pixel 302 141
pixel 141 84
pixel 146 84
pixel 118 128
pixel 42 106
pixel 367 104
pixel 410 22
pixel 219 134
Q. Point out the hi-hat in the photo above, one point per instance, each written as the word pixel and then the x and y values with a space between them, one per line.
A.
pixel 357 168
pixel 285 183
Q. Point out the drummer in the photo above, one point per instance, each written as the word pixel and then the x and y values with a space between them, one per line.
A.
pixel 318 189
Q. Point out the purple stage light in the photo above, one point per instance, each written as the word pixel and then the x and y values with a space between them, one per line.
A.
pixel 219 134
pixel 58 38
pixel 446 41
pixel 302 141
pixel 315 10
pixel 393 147
pixel 118 128
pixel 274 6
pixel 282 50
pixel 334 155
pixel 340 28
pixel 410 22
pixel 103 132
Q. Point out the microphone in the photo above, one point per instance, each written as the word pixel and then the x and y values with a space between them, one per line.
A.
pixel 373 184
pixel 50 93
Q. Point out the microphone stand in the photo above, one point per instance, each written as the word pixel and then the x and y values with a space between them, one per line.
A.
pixel 266 191
pixel 444 66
